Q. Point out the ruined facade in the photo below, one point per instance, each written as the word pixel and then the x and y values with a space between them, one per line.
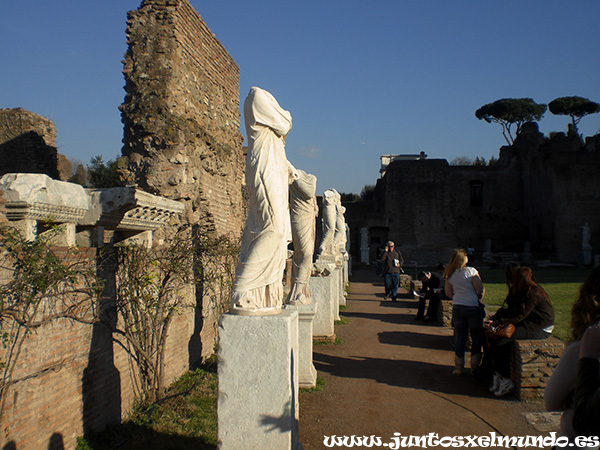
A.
pixel 181 119
pixel 181 115
pixel 530 205
pixel 27 143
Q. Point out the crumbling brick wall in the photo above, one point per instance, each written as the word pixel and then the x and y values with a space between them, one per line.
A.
pixel 181 114
pixel 27 143
pixel 181 137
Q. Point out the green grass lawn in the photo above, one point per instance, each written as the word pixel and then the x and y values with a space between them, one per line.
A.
pixel 561 284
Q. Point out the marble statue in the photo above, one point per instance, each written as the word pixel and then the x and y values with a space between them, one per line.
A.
pixel 303 211
pixel 339 237
pixel 347 238
pixel 258 287
pixel 329 223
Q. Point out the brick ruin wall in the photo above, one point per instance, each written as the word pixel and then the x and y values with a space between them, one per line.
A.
pixel 181 115
pixel 182 141
pixel 181 118
pixel 27 143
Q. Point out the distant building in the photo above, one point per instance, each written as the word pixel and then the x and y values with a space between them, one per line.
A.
pixel 531 204
pixel 387 159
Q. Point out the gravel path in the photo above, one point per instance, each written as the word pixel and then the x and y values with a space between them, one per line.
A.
pixel 391 374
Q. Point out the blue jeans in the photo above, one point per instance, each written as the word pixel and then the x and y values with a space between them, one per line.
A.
pixel 468 319
pixel 391 284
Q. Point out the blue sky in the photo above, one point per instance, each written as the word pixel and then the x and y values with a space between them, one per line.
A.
pixel 361 78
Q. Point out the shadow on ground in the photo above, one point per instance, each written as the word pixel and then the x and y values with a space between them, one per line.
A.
pixel 402 373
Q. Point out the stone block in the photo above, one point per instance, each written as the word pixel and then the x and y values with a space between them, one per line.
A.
pixel 307 374
pixel 258 382
pixel 444 315
pixel 36 201
pixel 322 285
pixel 531 364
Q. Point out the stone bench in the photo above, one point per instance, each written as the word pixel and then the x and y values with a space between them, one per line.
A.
pixel 532 363
pixel 444 315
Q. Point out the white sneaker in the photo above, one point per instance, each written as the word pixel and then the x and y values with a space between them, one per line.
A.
pixel 506 385
pixel 495 382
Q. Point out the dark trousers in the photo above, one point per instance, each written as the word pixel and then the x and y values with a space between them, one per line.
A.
pixel 468 320
pixel 391 284
pixel 432 309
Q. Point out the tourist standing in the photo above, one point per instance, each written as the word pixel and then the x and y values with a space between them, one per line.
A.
pixel 392 267
pixel 464 286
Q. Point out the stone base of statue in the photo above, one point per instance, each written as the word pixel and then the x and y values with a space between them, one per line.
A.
pixel 343 269
pixel 323 285
pixel 258 381
pixel 307 374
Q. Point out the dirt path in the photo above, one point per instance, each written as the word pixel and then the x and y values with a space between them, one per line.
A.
pixel 393 374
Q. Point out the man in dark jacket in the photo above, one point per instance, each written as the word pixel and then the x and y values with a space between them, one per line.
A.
pixel 392 267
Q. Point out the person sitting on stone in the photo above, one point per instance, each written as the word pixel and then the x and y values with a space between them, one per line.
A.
pixel 432 284
pixel 392 267
pixel 533 317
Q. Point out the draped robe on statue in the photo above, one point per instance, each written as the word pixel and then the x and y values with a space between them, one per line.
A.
pixel 303 211
pixel 258 285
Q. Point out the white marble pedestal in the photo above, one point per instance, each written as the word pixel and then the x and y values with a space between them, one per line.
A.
pixel 307 374
pixel 322 284
pixel 258 382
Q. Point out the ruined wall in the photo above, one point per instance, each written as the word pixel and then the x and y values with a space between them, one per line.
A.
pixel 43 405
pixel 27 143
pixel 426 207
pixel 181 117
pixel 540 192
pixel 181 114
pixel 73 378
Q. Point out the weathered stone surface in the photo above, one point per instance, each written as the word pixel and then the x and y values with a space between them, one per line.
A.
pixel 181 115
pixel 323 285
pixel 307 374
pixel 27 143
pixel 258 381
pixel 181 119
pixel 532 363
pixel 39 197
pixel 128 208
